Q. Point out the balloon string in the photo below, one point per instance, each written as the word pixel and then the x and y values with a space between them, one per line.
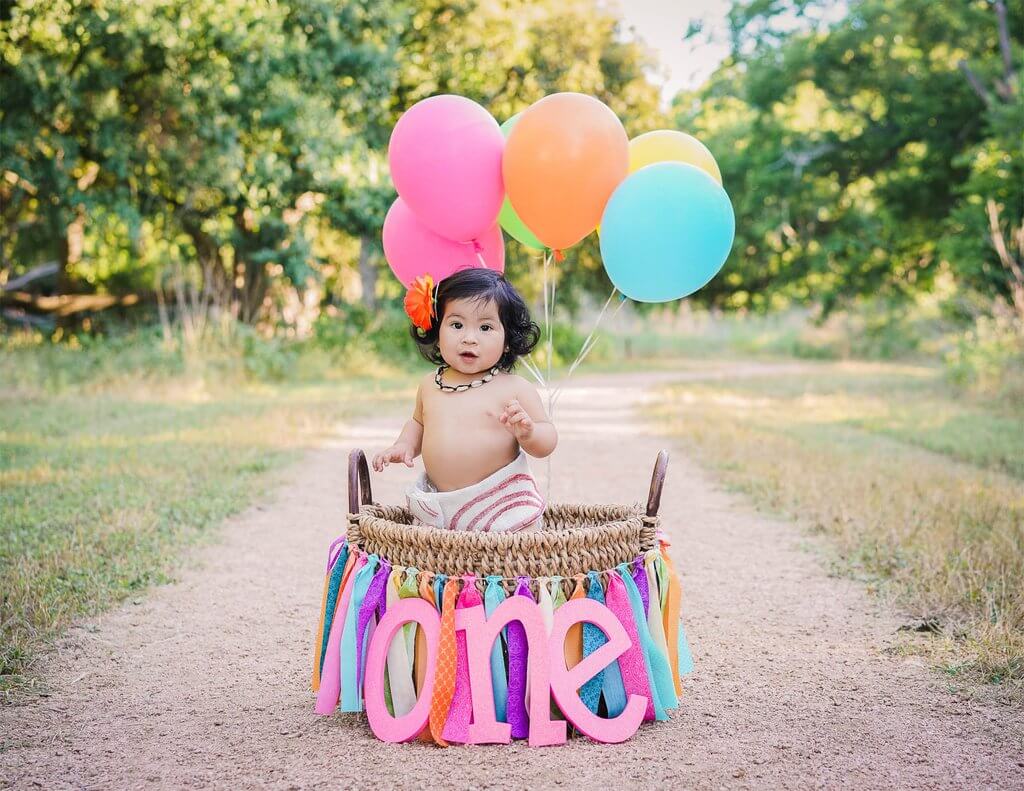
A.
pixel 590 342
pixel 531 366
pixel 548 318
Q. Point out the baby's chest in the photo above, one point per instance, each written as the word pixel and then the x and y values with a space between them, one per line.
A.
pixel 473 408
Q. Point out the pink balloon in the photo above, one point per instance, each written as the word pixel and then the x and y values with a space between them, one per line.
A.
pixel 445 157
pixel 412 249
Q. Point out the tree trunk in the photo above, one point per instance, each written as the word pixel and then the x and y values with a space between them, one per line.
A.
pixel 368 272
pixel 253 290
pixel 69 251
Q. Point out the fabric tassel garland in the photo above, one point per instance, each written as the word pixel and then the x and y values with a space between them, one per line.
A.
pixel 330 679
pixel 439 581
pixel 517 657
pixel 610 686
pixel 333 579
pixel 559 594
pixel 662 577
pixel 574 638
pixel 351 694
pixel 367 610
pixel 550 590
pixel 640 580
pixel 631 662
pixel 399 664
pixel 644 595
pixel 420 667
pixel 494 595
pixel 656 627
pixel 460 713
pixel 409 590
pixel 659 675
pixel 671 621
pixel 444 678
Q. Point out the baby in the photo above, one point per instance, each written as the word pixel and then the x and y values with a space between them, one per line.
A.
pixel 474 421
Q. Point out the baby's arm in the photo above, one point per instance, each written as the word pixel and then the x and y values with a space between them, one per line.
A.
pixel 525 417
pixel 409 443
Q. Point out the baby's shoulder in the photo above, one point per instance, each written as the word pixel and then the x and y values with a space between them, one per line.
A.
pixel 427 380
pixel 515 383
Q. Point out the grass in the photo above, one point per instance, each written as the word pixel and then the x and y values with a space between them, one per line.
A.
pixel 101 483
pixel 921 490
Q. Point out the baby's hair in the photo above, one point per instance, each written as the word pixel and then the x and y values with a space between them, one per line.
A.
pixel 485 285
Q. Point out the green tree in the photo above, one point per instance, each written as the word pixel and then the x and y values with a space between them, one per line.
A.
pixel 847 147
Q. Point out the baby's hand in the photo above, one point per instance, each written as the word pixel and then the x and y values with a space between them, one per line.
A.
pixel 395 453
pixel 516 420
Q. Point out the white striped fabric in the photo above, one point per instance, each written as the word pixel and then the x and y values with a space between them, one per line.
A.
pixel 508 500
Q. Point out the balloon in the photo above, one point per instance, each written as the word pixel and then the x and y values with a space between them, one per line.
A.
pixel 667 145
pixel 445 159
pixel 412 249
pixel 564 157
pixel 666 232
pixel 508 218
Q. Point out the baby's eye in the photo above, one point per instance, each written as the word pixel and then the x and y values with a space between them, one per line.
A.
pixel 456 325
pixel 485 327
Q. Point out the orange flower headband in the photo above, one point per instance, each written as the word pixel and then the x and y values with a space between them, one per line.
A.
pixel 419 302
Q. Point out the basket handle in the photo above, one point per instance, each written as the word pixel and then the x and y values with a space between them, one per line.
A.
pixel 657 482
pixel 359 492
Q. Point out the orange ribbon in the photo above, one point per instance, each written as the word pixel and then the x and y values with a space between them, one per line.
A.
pixel 671 620
pixel 444 677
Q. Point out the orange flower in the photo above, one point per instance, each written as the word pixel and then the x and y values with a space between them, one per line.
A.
pixel 419 302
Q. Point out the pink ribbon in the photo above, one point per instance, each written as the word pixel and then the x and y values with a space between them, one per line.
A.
pixel 631 663
pixel 460 712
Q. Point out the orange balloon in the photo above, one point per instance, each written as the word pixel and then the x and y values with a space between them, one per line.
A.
pixel 564 158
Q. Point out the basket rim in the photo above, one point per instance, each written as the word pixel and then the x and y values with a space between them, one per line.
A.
pixel 604 537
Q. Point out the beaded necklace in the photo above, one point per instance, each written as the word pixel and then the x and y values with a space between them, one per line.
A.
pixel 463 387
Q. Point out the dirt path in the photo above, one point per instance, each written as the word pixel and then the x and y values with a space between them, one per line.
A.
pixel 204 683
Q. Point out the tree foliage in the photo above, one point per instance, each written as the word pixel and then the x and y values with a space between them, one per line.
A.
pixel 860 153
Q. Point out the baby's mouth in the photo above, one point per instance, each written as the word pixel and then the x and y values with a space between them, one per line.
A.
pixel 468 356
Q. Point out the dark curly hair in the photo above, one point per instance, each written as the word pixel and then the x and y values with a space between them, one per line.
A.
pixel 521 332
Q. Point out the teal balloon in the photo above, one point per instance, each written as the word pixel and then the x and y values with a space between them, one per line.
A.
pixel 666 231
pixel 507 218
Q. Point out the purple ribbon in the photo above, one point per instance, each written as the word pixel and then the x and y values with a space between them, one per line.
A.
pixel 373 597
pixel 518 719
pixel 640 578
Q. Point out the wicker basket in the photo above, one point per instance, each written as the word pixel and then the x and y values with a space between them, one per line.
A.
pixel 575 539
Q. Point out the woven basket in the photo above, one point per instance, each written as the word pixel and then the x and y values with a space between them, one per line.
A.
pixel 575 539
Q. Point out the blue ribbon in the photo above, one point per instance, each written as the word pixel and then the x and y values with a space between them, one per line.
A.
pixel 351 694
pixel 609 681
pixel 685 657
pixel 337 570
pixel 439 581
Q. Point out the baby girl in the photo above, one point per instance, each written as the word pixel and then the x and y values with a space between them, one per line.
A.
pixel 474 421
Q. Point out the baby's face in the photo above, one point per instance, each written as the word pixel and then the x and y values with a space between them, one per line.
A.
pixel 471 338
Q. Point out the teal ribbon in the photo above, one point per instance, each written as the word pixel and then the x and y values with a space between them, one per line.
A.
pixel 659 674
pixel 351 694
pixel 439 581
pixel 685 657
pixel 607 683
pixel 337 570
pixel 494 595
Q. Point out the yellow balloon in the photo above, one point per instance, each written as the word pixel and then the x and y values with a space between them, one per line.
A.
pixel 667 145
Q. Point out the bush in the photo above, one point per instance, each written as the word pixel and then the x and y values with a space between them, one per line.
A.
pixel 989 357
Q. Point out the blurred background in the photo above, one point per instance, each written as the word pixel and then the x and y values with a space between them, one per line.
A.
pixel 192 287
